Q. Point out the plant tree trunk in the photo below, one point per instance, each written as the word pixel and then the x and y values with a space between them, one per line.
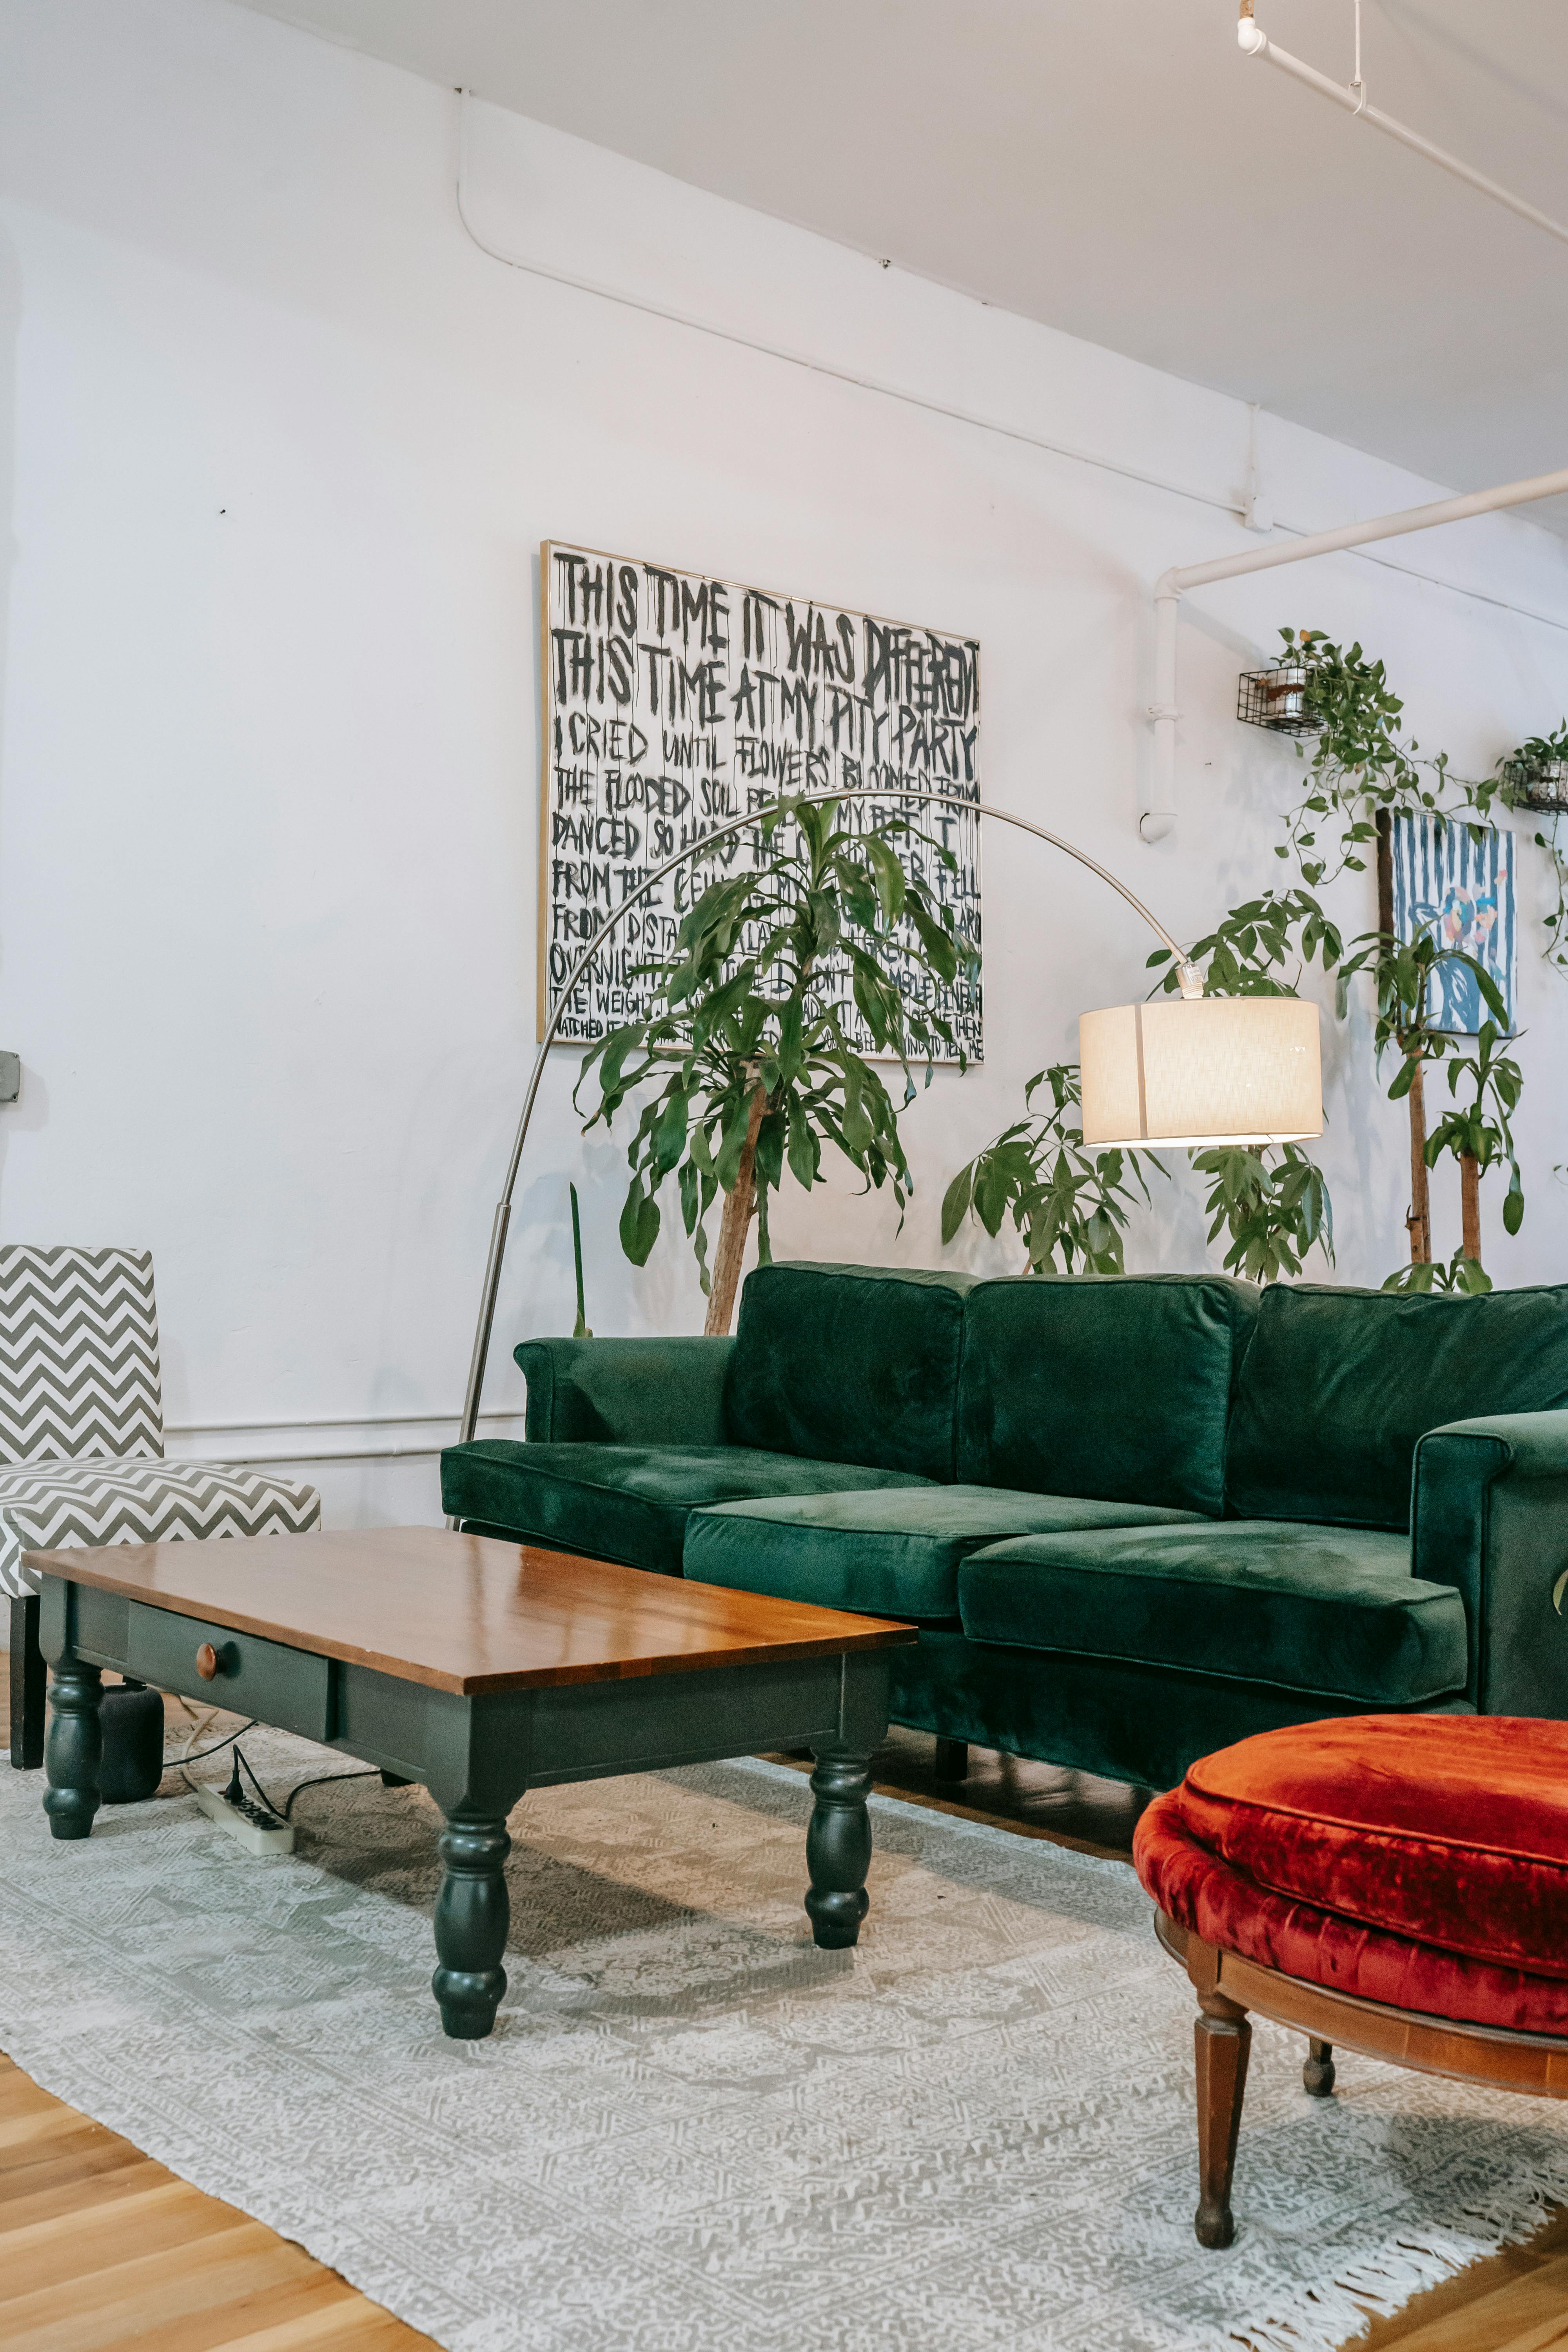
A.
pixel 1420 1217
pixel 1470 1204
pixel 740 1202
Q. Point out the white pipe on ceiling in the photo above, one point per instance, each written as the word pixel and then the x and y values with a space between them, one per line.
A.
pixel 1159 815
pixel 1256 43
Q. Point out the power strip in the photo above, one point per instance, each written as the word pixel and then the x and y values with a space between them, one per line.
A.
pixel 258 1832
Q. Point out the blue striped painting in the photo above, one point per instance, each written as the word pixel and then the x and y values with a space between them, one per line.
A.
pixel 1460 889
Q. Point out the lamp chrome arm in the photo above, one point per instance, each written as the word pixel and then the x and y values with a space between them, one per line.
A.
pixel 1191 983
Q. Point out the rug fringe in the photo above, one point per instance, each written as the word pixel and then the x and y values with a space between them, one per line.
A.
pixel 1346 2304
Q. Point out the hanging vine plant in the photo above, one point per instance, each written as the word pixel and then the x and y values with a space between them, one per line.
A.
pixel 1364 773
pixel 1362 767
pixel 1535 777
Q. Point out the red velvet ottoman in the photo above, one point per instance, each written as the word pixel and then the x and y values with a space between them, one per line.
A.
pixel 1397 1883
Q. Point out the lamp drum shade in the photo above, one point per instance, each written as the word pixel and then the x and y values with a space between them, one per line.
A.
pixel 1190 1071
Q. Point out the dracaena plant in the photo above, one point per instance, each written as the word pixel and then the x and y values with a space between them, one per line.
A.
pixel 745 1061
pixel 1068 1205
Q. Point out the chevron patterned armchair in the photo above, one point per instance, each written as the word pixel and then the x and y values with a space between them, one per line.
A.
pixel 81 1441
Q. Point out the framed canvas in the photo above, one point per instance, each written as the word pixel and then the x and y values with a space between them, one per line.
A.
pixel 674 701
pixel 1458 887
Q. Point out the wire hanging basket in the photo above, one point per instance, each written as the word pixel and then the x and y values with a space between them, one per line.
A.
pixel 1539 784
pixel 1278 698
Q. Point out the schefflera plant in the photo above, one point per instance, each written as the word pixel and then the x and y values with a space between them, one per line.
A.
pixel 1070 1204
pixel 746 1048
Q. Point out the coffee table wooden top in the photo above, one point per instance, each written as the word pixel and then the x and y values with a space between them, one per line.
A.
pixel 462 1612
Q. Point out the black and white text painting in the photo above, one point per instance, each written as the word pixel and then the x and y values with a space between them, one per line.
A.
pixel 674 701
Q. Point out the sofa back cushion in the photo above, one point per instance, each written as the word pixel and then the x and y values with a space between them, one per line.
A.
pixel 1339 1384
pixel 1114 1387
pixel 848 1363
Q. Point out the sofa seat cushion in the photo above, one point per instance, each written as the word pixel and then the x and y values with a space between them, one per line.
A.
pixel 1339 1384
pixel 625 1503
pixel 1421 1861
pixel 1115 1386
pixel 848 1363
pixel 889 1553
pixel 1330 1610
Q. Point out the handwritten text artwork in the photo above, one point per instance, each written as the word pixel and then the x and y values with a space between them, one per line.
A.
pixel 674 702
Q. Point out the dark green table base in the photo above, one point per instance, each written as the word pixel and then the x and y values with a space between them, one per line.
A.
pixel 479 1754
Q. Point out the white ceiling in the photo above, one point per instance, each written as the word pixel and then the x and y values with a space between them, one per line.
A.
pixel 1120 171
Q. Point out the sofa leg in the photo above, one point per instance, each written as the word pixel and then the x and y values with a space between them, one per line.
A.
pixel 27 1681
pixel 1223 2039
pixel 1318 2073
pixel 952 1759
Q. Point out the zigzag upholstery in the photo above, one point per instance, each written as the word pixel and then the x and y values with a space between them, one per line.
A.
pixel 81 1420
pixel 50 1504
pixel 79 1354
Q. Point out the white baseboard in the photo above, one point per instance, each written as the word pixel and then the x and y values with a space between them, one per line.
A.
pixel 372 1437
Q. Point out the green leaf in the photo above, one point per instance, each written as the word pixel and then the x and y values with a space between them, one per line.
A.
pixel 732 1143
pixel 669 1132
pixel 805 1151
pixel 639 1223
pixel 955 1201
pixel 888 875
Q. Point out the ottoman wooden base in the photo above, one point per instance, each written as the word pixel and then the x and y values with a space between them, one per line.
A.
pixel 1229 1988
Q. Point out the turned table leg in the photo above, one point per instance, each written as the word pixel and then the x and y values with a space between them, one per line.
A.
pixel 74 1748
pixel 472 1913
pixel 1222 2038
pixel 1318 2073
pixel 838 1848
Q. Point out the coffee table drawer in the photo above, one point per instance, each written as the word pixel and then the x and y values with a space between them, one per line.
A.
pixel 288 1688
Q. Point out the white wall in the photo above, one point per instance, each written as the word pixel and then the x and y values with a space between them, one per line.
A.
pixel 277 443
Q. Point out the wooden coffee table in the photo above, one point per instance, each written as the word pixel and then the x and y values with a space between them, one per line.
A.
pixel 481 1669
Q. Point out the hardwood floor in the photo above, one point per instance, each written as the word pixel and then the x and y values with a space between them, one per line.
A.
pixel 102 2248
pixel 1513 2301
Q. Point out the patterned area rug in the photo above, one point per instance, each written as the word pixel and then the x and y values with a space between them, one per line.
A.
pixel 692 2131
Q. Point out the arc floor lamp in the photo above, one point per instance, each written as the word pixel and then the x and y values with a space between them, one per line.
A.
pixel 1180 1072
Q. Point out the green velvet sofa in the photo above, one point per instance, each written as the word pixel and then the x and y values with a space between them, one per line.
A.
pixel 1134 1517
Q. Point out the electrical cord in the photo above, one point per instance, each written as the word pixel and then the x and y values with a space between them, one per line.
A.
pixel 285 1812
pixel 200 1723
pixel 185 1757
pixel 242 1764
pixel 321 1781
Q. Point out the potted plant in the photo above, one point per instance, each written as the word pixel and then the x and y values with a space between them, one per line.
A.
pixel 1069 1206
pixel 1282 697
pixel 748 1044
pixel 1535 775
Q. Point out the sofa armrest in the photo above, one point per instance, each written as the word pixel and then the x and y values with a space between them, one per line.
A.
pixel 625 1391
pixel 1489 1513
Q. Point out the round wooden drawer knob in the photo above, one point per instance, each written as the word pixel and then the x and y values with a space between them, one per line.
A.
pixel 206 1662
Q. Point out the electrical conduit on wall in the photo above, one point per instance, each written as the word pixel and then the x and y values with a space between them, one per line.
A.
pixel 955 412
